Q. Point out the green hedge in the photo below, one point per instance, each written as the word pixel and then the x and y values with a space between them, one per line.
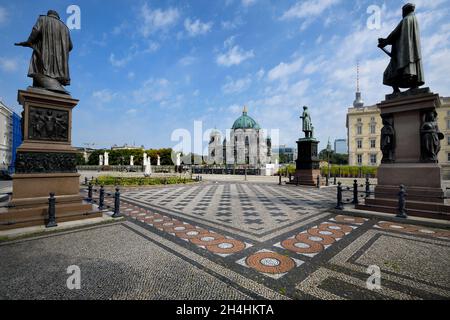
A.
pixel 290 169
pixel 140 181
pixel 350 171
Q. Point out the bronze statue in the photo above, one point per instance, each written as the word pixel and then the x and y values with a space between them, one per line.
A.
pixel 430 137
pixel 307 124
pixel 405 69
pixel 388 139
pixel 51 44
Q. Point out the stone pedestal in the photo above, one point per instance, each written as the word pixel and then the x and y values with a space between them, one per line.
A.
pixel 45 163
pixel 308 163
pixel 422 179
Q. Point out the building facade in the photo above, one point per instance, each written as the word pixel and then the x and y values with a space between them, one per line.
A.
pixel 444 126
pixel 246 144
pixel 364 130
pixel 5 137
pixel 286 154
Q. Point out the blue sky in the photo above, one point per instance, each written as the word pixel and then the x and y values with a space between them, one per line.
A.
pixel 142 69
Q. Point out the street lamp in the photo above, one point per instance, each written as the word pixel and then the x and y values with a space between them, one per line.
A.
pixel 328 154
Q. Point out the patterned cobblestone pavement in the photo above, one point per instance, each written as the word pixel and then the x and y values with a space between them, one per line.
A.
pixel 232 241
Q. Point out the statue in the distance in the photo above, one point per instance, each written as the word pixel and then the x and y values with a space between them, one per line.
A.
pixel 51 44
pixel 405 69
pixel 307 126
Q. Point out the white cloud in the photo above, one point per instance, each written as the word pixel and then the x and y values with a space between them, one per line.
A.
pixel 195 28
pixel 284 70
pixel 119 63
pixel 232 24
pixel 187 61
pixel 152 47
pixel 104 96
pixel 3 15
pixel 156 90
pixel 308 9
pixel 248 3
pixel 157 20
pixel 237 86
pixel 234 56
pixel 8 64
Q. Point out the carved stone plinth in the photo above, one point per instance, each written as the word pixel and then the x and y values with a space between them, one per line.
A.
pixel 308 163
pixel 411 161
pixel 45 162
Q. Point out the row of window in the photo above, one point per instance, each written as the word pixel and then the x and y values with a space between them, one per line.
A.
pixel 372 127
pixel 373 159
pixel 373 143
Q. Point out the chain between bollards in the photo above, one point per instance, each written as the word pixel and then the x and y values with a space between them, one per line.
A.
pixel 51 212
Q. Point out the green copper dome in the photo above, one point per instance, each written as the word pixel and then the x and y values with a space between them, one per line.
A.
pixel 245 122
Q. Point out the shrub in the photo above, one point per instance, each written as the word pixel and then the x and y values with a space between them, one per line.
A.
pixel 141 181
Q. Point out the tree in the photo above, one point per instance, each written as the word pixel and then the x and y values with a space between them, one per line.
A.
pixel 335 158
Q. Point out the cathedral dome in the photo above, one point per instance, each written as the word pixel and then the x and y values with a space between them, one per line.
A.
pixel 245 122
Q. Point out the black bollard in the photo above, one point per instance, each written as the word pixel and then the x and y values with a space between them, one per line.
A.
pixel 367 187
pixel 279 179
pixel 296 181
pixel 51 212
pixel 117 204
pixel 334 180
pixel 318 181
pixel 85 181
pixel 101 198
pixel 355 192
pixel 327 181
pixel 89 198
pixel 402 203
pixel 340 204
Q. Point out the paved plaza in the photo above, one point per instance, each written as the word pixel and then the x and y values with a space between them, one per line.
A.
pixel 231 240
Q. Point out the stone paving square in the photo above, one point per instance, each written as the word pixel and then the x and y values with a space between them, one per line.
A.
pixel 169 252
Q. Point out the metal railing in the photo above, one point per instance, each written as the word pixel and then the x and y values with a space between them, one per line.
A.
pixel 356 194
pixel 101 199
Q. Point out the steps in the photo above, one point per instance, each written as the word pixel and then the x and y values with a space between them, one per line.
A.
pixel 14 218
pixel 413 208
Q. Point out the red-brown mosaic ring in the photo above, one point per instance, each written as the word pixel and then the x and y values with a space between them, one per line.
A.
pixel 152 216
pixel 442 234
pixel 335 234
pixel 348 219
pixel 328 236
pixel 270 262
pixel 178 227
pixel 159 220
pixel 335 227
pixel 164 222
pixel 190 234
pixel 227 246
pixel 396 226
pixel 303 246
pixel 207 239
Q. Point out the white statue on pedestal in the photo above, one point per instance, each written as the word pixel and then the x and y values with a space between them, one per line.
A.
pixel 178 159
pixel 106 158
pixel 131 160
pixel 147 165
pixel 158 161
pixel 100 160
